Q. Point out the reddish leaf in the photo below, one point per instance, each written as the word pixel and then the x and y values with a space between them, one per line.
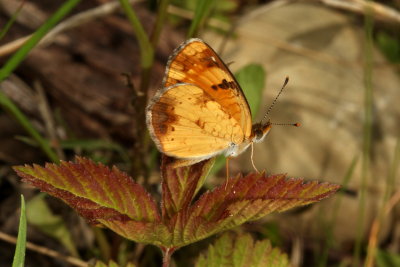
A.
pixel 95 191
pixel 244 199
pixel 110 197
pixel 151 233
pixel 180 185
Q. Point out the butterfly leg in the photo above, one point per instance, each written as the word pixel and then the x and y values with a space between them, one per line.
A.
pixel 251 157
pixel 227 171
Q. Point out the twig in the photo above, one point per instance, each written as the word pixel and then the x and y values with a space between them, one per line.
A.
pixel 48 119
pixel 45 251
pixel 69 23
pixel 379 11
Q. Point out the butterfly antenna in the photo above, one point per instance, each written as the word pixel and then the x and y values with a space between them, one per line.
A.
pixel 288 124
pixel 276 98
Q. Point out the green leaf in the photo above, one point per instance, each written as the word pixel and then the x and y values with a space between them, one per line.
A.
pixel 19 256
pixel 240 251
pixel 220 162
pixel 112 263
pixel 39 215
pixel 270 230
pixel 389 46
pixel 387 259
pixel 225 6
pixel 252 80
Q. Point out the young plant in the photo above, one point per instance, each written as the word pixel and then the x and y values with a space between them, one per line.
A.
pixel 111 198
pixel 241 251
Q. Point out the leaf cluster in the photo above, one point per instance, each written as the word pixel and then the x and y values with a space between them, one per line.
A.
pixel 111 198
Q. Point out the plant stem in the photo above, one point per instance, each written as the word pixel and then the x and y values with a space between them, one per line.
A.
pixel 146 50
pixel 391 179
pixel 167 253
pixel 11 21
pixel 329 240
pixel 11 108
pixel 146 63
pixel 367 137
pixel 161 16
pixel 202 11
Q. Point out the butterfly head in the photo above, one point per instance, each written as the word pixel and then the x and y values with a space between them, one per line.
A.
pixel 260 130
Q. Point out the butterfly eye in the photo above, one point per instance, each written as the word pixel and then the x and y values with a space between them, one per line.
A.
pixel 260 131
pixel 258 135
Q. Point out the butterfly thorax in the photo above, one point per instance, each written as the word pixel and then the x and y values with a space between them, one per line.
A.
pixel 259 131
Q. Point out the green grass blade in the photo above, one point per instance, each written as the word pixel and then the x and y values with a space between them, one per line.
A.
pixel 14 62
pixel 19 256
pixel 146 49
pixel 367 134
pixel 95 144
pixel 146 63
pixel 329 239
pixel 393 170
pixel 9 106
pixel 202 11
pixel 11 21
pixel 387 259
pixel 20 55
pixel 160 21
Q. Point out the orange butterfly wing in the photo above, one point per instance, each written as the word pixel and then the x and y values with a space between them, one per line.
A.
pixel 186 123
pixel 197 63
pixel 201 111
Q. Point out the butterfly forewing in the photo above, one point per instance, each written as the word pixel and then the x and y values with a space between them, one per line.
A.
pixel 196 63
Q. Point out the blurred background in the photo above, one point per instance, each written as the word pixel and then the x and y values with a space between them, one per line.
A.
pixel 84 88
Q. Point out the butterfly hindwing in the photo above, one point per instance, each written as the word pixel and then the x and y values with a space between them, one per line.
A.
pixel 186 123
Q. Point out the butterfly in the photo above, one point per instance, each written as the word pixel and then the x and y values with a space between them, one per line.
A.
pixel 201 111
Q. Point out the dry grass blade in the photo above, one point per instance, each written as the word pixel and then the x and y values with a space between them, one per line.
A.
pixel 45 251
pixel 188 14
pixel 48 119
pixel 379 11
pixel 373 237
pixel 69 23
